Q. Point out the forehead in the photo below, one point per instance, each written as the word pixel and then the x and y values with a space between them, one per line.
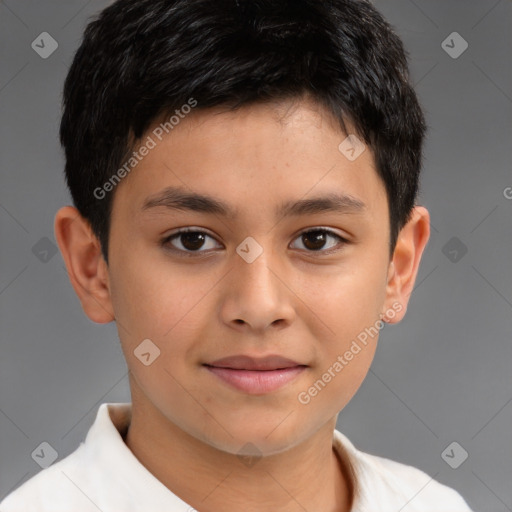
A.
pixel 223 161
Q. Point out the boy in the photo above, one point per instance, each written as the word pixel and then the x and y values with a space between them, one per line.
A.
pixel 284 139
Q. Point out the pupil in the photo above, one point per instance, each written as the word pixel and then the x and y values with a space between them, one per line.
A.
pixel 192 241
pixel 317 237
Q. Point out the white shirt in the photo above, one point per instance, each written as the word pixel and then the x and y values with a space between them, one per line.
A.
pixel 102 474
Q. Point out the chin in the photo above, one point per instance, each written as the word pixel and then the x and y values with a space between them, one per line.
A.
pixel 251 439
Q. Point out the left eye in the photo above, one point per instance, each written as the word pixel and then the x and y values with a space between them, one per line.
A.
pixel 192 241
pixel 316 239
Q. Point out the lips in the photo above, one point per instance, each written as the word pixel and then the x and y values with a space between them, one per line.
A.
pixel 255 376
pixel 249 363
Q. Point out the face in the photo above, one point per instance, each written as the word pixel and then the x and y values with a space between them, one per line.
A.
pixel 283 269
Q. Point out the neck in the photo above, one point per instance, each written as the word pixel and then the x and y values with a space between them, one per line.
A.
pixel 310 476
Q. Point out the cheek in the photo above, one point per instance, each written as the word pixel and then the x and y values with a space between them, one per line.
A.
pixel 160 303
pixel 346 302
pixel 345 355
pixel 348 306
pixel 150 298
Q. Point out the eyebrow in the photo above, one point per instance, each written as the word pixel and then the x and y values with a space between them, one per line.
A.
pixel 176 198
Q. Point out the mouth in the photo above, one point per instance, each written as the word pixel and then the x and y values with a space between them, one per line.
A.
pixel 256 376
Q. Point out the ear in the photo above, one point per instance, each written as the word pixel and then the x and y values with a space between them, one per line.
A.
pixel 87 269
pixel 404 264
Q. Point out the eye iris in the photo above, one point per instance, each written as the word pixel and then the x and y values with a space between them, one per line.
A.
pixel 193 240
pixel 316 237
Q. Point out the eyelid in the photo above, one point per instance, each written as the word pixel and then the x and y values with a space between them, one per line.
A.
pixel 327 229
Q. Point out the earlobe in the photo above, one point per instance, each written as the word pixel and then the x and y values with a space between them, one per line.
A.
pixel 403 268
pixel 87 269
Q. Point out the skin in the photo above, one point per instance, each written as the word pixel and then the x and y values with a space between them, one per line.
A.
pixel 291 301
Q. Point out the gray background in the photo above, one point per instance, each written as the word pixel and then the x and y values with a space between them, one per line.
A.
pixel 442 375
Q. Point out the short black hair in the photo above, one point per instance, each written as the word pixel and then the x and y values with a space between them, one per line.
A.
pixel 141 59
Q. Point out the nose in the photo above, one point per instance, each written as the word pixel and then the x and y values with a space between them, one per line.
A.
pixel 257 295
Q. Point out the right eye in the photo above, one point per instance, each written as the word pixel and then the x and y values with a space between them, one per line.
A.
pixel 190 240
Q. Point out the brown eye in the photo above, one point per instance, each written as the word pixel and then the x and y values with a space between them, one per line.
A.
pixel 192 241
pixel 189 240
pixel 315 240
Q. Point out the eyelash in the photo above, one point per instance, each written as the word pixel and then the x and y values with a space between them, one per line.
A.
pixel 191 254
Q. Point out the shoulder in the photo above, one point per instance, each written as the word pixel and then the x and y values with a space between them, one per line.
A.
pixel 399 486
pixel 420 490
pixel 53 489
